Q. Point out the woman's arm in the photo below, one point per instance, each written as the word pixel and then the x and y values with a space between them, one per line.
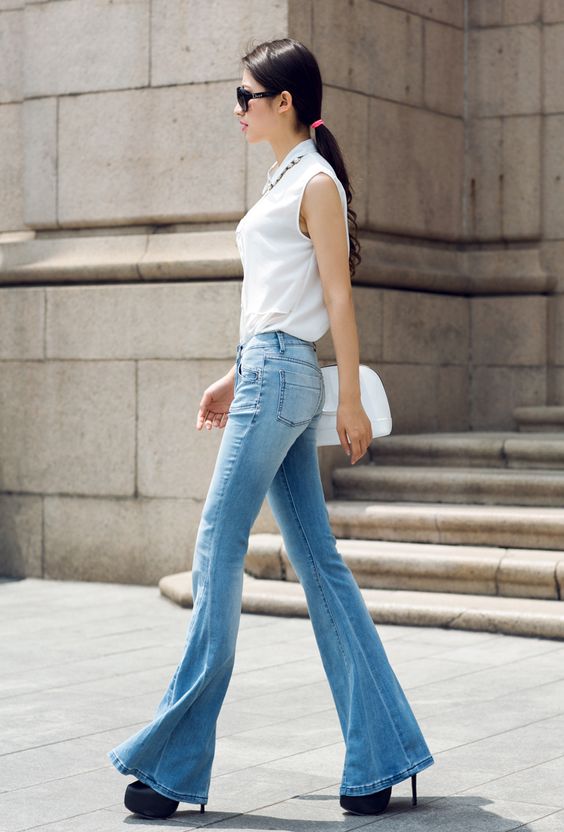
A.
pixel 322 210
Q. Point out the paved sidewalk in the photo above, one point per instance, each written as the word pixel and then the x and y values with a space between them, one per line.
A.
pixel 84 665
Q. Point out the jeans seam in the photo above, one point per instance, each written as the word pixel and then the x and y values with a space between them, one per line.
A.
pixel 285 357
pixel 384 782
pixel 314 565
pixel 185 798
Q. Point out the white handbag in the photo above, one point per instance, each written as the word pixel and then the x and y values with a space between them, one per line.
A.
pixel 373 399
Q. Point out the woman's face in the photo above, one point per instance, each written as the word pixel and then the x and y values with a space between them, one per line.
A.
pixel 260 118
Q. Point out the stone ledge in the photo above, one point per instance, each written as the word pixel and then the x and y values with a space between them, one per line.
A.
pixel 213 253
pixel 522 573
pixel 432 483
pixel 545 418
pixel 499 449
pixel 523 617
pixel 522 527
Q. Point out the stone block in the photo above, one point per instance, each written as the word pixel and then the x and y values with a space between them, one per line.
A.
pixel 379 49
pixel 11 168
pixel 485 13
pixel 21 535
pixel 425 152
pixel 483 192
pixel 509 270
pixel 504 71
pixel 521 11
pixel 495 391
pixel 551 256
pixel 553 178
pixel 407 386
pixel 174 459
pixel 521 177
pixel 140 156
pixel 452 398
pixel 346 113
pixel 169 320
pixel 447 11
pixel 555 315
pixel 560 578
pixel 133 541
pixel 39 117
pixel 555 385
pixel 22 323
pixel 369 312
pixel 553 11
pixel 553 57
pixel 529 573
pixel 300 20
pixel 425 328
pixel 68 426
pixel 76 47
pixel 508 330
pixel 199 43
pixel 11 55
pixel 444 68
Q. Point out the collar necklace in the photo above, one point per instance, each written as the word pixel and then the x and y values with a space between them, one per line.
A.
pixel 288 166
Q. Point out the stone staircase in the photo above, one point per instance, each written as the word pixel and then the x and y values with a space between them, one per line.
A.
pixel 460 530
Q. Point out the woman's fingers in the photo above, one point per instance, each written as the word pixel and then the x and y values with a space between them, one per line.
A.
pixel 211 419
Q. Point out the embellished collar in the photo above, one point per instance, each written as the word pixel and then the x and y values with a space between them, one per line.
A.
pixel 307 146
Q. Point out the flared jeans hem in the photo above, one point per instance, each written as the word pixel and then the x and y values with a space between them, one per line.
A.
pixel 158 787
pixel 384 782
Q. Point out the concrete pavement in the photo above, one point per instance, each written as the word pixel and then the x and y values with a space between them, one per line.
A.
pixel 84 665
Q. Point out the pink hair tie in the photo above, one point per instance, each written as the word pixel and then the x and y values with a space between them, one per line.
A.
pixel 317 123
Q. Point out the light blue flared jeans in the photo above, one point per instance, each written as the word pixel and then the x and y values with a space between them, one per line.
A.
pixel 268 449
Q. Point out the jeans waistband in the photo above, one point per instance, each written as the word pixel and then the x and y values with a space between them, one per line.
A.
pixel 277 337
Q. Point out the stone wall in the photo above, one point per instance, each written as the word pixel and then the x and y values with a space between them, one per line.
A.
pixel 125 176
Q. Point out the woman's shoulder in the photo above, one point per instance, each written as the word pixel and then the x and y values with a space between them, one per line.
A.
pixel 316 163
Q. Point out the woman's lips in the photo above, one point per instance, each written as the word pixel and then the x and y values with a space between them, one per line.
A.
pixel 243 125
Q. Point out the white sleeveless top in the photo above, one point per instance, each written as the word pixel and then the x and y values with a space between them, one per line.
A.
pixel 281 284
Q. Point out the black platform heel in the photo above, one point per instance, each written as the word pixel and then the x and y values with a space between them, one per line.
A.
pixel 375 803
pixel 145 801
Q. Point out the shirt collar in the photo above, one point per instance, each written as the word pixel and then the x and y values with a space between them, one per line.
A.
pixel 307 146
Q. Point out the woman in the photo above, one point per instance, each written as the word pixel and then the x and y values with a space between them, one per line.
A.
pixel 298 259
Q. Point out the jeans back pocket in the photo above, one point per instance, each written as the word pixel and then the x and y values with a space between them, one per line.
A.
pixel 300 394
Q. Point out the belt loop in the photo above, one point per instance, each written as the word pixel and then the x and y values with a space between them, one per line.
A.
pixel 280 335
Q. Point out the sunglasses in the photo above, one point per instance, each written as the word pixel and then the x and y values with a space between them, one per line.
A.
pixel 244 96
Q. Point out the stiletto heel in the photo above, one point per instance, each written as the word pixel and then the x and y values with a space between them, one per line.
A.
pixel 202 807
pixel 413 790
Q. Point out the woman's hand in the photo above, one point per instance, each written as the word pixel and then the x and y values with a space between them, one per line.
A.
pixel 353 420
pixel 215 403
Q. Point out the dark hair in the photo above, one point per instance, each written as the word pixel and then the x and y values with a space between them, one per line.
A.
pixel 286 64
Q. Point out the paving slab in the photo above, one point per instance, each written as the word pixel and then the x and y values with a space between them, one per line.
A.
pixel 85 664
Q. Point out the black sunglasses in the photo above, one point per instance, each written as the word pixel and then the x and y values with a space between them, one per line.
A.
pixel 244 96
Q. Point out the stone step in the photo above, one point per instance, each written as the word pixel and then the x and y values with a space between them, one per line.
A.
pixel 515 616
pixel 426 483
pixel 519 527
pixel 384 564
pixel 482 449
pixel 549 418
